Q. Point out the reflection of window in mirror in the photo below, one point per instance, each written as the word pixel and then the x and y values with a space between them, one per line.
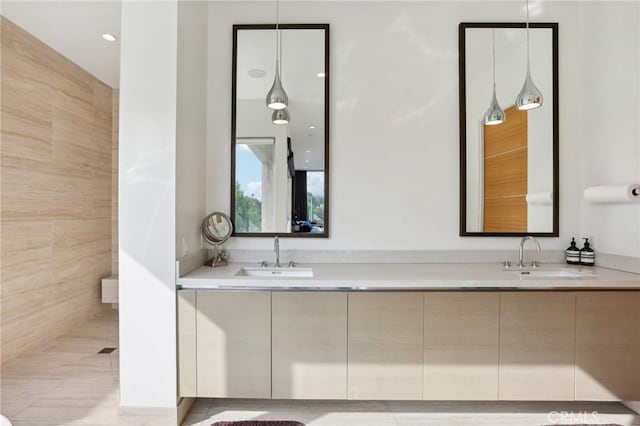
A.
pixel 308 201
pixel 255 188
pixel 315 197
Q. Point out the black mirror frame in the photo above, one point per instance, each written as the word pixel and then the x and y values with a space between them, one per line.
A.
pixel 463 129
pixel 234 61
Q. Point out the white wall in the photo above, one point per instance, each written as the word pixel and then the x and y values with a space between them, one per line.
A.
pixel 610 107
pixel 191 126
pixel 163 131
pixel 147 204
pixel 394 118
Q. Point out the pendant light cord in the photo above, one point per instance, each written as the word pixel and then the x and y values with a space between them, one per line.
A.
pixel 528 52
pixel 278 39
pixel 280 54
pixel 493 41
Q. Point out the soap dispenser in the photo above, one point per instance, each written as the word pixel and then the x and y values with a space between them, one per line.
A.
pixel 573 253
pixel 587 255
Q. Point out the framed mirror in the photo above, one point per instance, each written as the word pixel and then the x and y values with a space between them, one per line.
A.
pixel 509 171
pixel 280 172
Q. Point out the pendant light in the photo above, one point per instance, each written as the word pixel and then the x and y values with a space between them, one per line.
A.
pixel 280 116
pixel 530 96
pixel 277 98
pixel 494 114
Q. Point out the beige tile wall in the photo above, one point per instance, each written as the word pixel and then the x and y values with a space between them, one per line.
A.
pixel 56 190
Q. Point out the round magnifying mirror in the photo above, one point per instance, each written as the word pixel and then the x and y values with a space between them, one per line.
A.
pixel 216 229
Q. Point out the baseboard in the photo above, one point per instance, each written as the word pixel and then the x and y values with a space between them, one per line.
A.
pixel 184 406
pixel 634 405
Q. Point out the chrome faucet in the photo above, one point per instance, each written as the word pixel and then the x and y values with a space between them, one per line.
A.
pixel 276 248
pixel 522 241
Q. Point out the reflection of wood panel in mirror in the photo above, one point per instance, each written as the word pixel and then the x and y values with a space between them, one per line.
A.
pixel 505 174
pixel 505 214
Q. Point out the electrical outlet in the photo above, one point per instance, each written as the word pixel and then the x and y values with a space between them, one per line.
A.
pixel 185 246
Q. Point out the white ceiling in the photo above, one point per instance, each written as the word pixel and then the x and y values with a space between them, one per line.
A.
pixel 74 29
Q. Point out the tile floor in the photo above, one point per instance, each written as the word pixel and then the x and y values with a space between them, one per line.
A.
pixel 68 383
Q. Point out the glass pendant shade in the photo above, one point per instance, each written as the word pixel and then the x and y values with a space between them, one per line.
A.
pixel 277 98
pixel 495 114
pixel 280 116
pixel 530 96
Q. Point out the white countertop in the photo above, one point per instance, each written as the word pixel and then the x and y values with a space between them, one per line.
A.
pixel 410 276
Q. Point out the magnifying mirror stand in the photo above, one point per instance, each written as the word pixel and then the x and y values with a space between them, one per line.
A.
pixel 220 257
pixel 216 229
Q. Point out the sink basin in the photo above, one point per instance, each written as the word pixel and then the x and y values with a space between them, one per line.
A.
pixel 549 273
pixel 276 272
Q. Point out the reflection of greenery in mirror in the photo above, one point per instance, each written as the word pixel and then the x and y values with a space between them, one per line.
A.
pixel 509 173
pixel 279 171
pixel 248 212
pixel 315 196
pixel 254 183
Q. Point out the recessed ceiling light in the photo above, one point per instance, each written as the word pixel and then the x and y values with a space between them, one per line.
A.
pixel 109 37
pixel 321 74
pixel 256 73
pixel 312 127
pixel 308 150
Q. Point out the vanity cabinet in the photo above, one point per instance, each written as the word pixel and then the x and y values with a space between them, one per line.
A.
pixel 461 332
pixel 537 343
pixel 451 345
pixel 608 346
pixel 385 345
pixel 187 367
pixel 233 344
pixel 309 345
